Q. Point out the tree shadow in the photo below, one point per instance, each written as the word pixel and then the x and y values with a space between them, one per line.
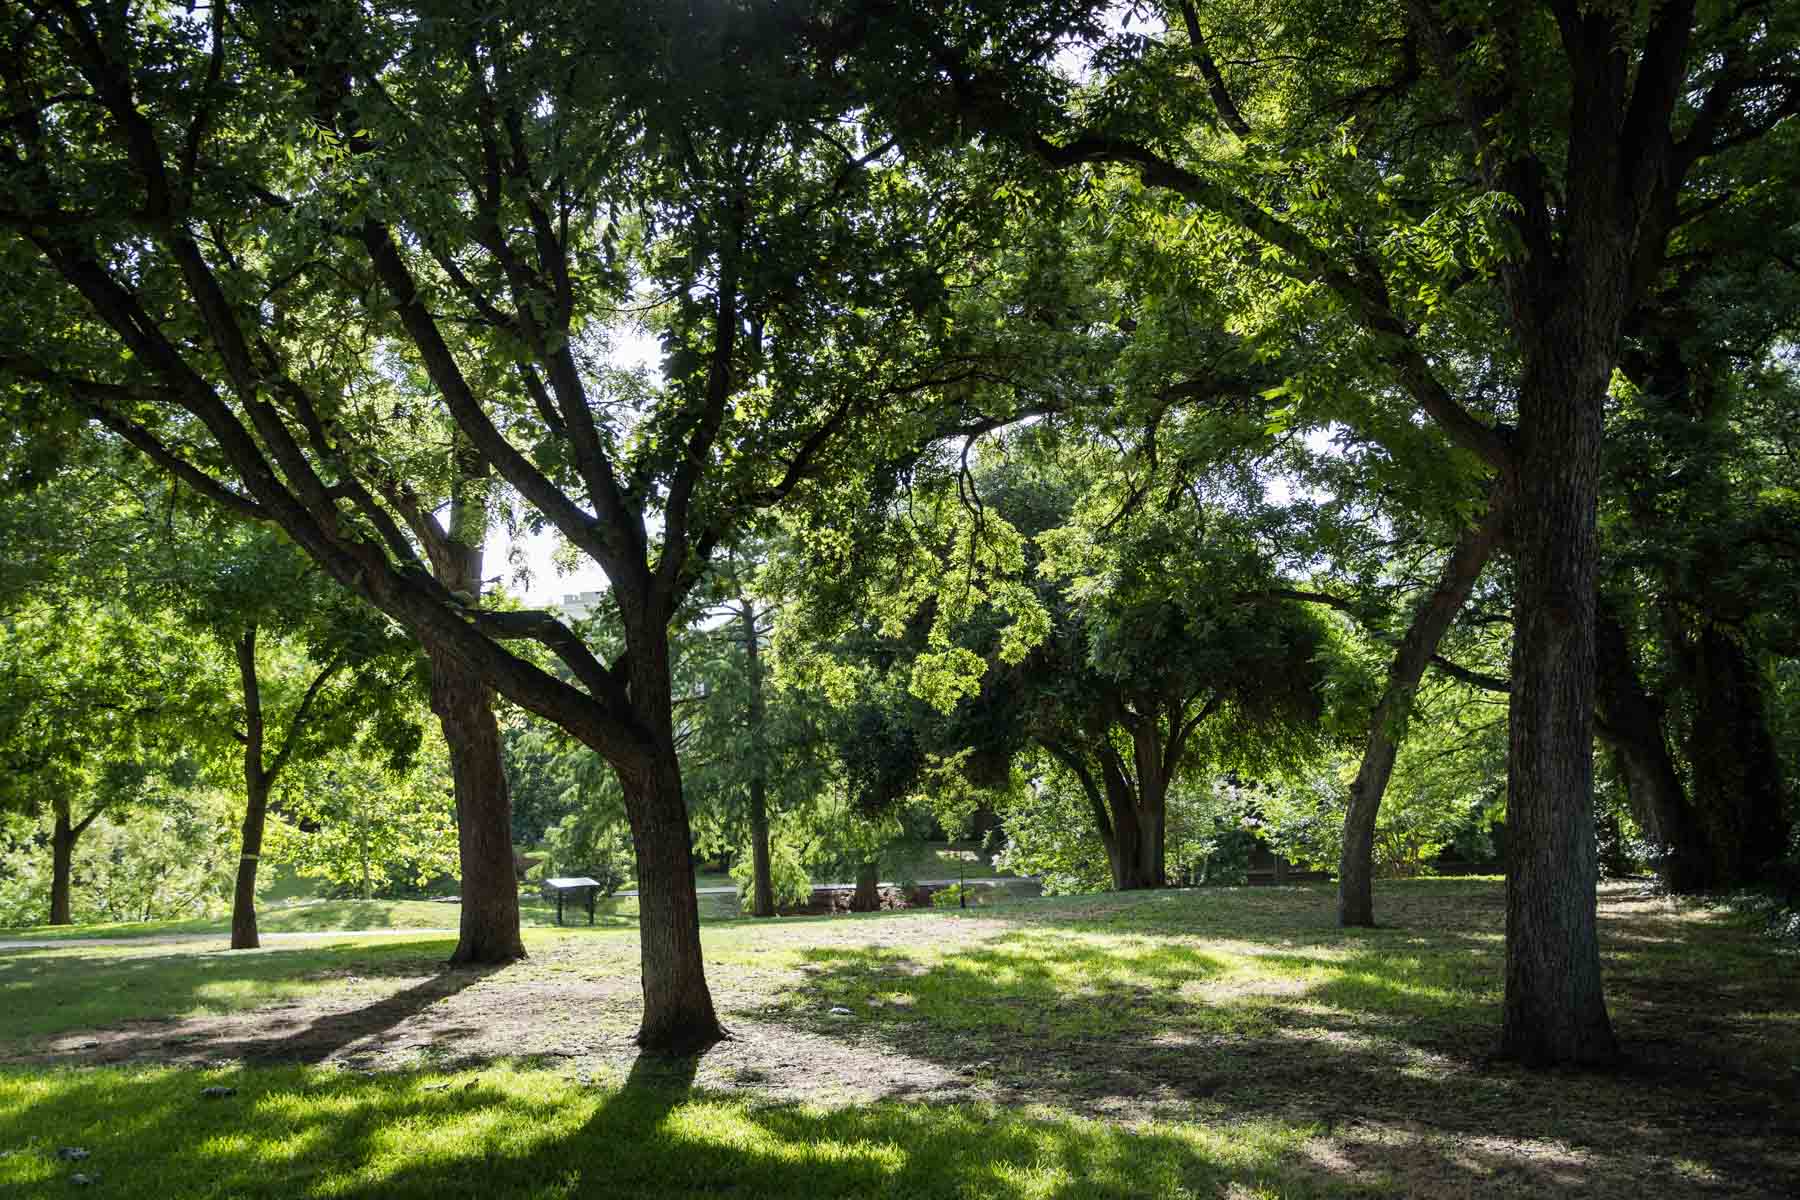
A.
pixel 97 999
pixel 290 1132
pixel 1392 1026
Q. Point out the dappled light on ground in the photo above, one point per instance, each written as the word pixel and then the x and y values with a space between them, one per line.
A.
pixel 1189 1023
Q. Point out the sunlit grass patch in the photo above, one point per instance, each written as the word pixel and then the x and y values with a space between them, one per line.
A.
pixel 508 1132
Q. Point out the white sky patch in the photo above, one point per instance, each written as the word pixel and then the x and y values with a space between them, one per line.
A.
pixel 631 347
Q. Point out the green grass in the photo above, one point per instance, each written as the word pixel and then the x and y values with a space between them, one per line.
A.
pixel 324 916
pixel 46 992
pixel 291 904
pixel 1226 1042
pixel 511 1132
pixel 938 860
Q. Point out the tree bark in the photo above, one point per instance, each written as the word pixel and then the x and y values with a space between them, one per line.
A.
pixel 678 1009
pixel 1555 1009
pixel 1136 845
pixel 867 897
pixel 256 799
pixel 62 864
pixel 762 892
pixel 1387 724
pixel 1737 772
pixel 1630 721
pixel 243 899
pixel 489 928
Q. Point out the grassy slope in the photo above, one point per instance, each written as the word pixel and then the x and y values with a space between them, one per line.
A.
pixel 1273 1054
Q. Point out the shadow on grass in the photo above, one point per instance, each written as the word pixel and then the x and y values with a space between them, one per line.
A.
pixel 1105 1009
pixel 47 992
pixel 508 1133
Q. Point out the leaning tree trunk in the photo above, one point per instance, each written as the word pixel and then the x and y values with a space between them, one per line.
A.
pixel 1356 865
pixel 1555 1010
pixel 762 891
pixel 489 931
pixel 1630 721
pixel 62 865
pixel 678 1010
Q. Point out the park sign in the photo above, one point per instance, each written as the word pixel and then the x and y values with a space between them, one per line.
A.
pixel 578 885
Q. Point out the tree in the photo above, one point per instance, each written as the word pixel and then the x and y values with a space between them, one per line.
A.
pixel 363 825
pixel 461 195
pixel 316 669
pixel 1588 143
pixel 1163 653
pixel 91 696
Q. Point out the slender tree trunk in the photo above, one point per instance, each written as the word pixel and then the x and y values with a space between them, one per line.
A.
pixel 678 1008
pixel 1555 1009
pixel 62 863
pixel 243 899
pixel 1630 721
pixel 1356 865
pixel 868 888
pixel 489 931
pixel 762 892
pixel 256 799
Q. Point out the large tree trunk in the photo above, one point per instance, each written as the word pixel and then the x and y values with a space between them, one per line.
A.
pixel 762 892
pixel 62 863
pixel 1387 724
pixel 1555 1010
pixel 867 897
pixel 678 1008
pixel 489 931
pixel 1136 846
pixel 1737 772
pixel 1630 721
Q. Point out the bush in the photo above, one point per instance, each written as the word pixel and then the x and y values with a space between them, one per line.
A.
pixel 950 897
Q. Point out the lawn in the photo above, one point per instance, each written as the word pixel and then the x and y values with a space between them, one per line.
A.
pixel 1226 1042
pixel 313 916
pixel 291 907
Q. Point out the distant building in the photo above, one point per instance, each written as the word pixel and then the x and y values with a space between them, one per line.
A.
pixel 579 606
